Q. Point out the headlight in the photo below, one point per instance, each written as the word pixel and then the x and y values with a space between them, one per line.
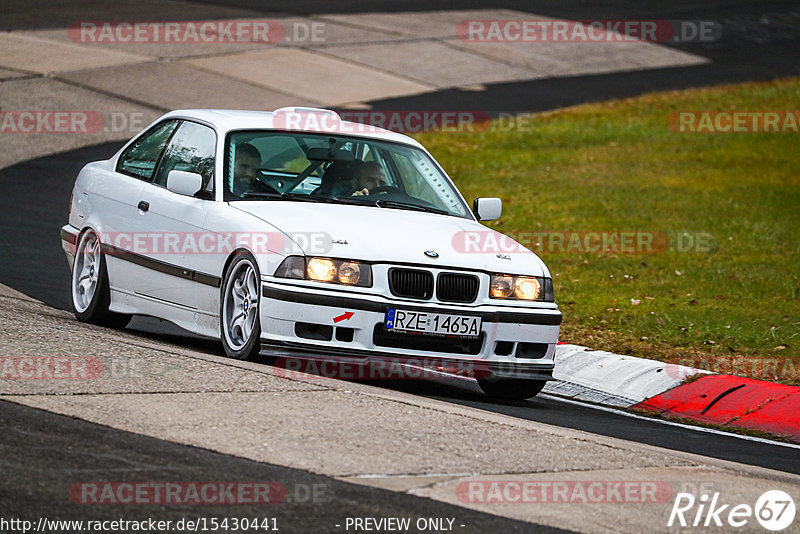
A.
pixel 349 273
pixel 502 287
pixel 346 272
pixel 505 286
pixel 321 269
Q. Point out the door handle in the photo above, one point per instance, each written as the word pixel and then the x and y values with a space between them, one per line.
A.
pixel 144 206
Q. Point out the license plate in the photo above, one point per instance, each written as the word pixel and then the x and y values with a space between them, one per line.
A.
pixel 443 324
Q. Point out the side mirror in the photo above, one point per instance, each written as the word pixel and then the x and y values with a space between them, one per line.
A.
pixel 487 209
pixel 184 183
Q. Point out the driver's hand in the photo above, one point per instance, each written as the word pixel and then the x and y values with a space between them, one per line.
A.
pixel 361 193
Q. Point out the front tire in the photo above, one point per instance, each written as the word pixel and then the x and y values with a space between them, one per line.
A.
pixel 91 295
pixel 240 301
pixel 512 388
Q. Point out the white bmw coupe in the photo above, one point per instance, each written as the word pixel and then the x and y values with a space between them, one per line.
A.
pixel 299 231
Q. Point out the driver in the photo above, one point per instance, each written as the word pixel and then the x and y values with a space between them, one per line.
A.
pixel 245 168
pixel 369 176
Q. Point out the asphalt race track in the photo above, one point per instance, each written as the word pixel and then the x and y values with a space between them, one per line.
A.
pixel 34 264
pixel 60 450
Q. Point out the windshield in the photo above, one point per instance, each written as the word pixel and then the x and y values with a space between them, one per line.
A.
pixel 263 164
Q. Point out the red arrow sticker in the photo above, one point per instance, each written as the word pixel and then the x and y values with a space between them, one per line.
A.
pixel 343 317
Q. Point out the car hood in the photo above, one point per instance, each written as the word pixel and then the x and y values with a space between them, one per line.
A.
pixel 394 236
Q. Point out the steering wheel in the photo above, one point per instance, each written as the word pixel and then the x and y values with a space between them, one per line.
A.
pixel 384 189
pixel 261 187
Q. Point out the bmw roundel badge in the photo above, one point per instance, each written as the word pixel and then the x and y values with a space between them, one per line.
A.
pixel 431 253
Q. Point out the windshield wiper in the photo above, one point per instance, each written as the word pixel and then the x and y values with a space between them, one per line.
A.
pixel 384 203
pixel 259 194
pixel 409 205
pixel 287 196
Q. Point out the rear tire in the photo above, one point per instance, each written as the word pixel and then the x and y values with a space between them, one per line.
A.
pixel 91 295
pixel 512 388
pixel 239 303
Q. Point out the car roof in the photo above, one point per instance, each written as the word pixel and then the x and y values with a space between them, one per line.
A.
pixel 233 119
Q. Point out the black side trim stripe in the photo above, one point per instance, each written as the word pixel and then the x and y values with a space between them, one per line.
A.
pixel 69 237
pixel 323 300
pixel 206 279
pixel 162 267
pixel 532 317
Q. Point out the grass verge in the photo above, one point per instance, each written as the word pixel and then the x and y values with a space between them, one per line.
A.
pixel 721 287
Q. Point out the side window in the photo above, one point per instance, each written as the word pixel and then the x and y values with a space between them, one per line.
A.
pixel 413 169
pixel 273 160
pixel 191 149
pixel 140 159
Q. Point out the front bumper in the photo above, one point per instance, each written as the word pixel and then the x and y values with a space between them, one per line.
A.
pixel 344 324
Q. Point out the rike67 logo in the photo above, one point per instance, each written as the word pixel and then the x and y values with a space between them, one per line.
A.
pixel 774 510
